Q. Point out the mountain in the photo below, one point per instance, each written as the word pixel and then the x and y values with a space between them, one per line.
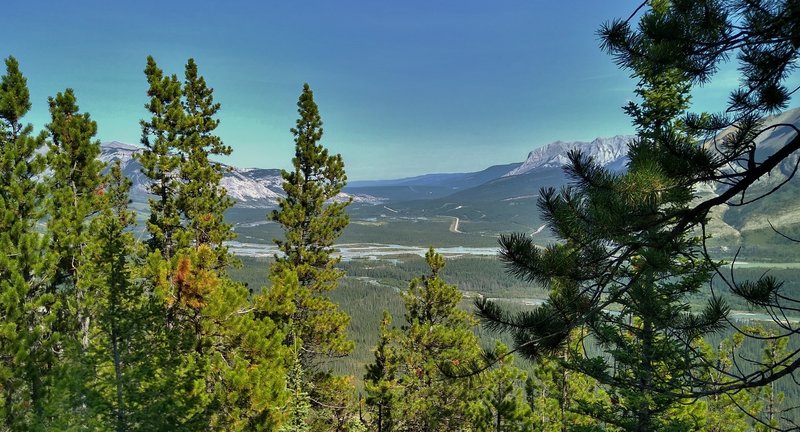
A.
pixel 503 198
pixel 506 201
pixel 609 152
pixel 428 186
pixel 752 227
pixel 250 187
pixel 260 188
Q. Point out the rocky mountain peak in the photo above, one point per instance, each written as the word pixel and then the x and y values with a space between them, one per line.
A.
pixel 607 151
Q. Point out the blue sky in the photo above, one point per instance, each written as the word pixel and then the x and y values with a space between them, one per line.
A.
pixel 404 87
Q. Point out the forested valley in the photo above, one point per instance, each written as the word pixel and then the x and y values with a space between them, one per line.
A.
pixel 114 319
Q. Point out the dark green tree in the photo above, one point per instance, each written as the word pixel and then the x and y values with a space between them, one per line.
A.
pixel 313 217
pixel 632 242
pixel 118 343
pixel 220 356
pixel 562 399
pixel 380 380
pixel 410 380
pixel 501 406
pixel 28 306
pixel 312 222
pixel 178 397
pixel 74 185
pixel 202 200
pixel 161 137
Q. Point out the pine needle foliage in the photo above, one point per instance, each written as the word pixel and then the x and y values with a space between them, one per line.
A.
pixel 631 249
pixel 313 217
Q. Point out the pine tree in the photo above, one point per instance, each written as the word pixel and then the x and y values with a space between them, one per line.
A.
pixel 28 309
pixel 74 184
pixel 182 398
pixel 562 399
pixel 768 400
pixel 202 200
pixel 312 220
pixel 502 406
pixel 410 385
pixel 633 241
pixel 380 382
pixel 117 332
pixel 311 224
pixel 299 401
pixel 160 161
pixel 220 356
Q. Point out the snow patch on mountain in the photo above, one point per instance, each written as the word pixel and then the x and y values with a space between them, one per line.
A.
pixel 611 152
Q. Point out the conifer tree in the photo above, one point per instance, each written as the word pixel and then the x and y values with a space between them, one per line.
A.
pixel 409 383
pixel 380 382
pixel 633 241
pixel 202 200
pixel 501 406
pixel 74 184
pixel 181 399
pixel 299 401
pixel 220 354
pixel 118 329
pixel 312 223
pixel 28 309
pixel 160 160
pixel 312 220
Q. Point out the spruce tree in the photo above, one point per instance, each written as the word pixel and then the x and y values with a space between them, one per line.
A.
pixel 28 307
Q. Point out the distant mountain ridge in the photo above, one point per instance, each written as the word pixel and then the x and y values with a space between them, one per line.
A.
pixel 608 152
pixel 261 188
pixel 250 187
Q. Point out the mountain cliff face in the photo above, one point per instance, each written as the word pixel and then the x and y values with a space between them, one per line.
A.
pixel 252 187
pixel 609 152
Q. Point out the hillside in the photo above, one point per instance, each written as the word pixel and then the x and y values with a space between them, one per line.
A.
pixel 503 198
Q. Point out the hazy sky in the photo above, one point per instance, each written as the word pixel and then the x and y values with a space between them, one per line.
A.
pixel 404 87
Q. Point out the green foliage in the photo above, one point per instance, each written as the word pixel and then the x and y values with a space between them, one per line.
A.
pixel 219 354
pixel 311 224
pixel 202 200
pixel 28 306
pixel 379 381
pixel 317 328
pixel 161 137
pixel 631 256
pixel 113 365
pixel 562 399
pixel 299 401
pixel 502 406
pixel 407 388
pixel 75 186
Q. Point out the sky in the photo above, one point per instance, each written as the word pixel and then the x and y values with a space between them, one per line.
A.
pixel 403 87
